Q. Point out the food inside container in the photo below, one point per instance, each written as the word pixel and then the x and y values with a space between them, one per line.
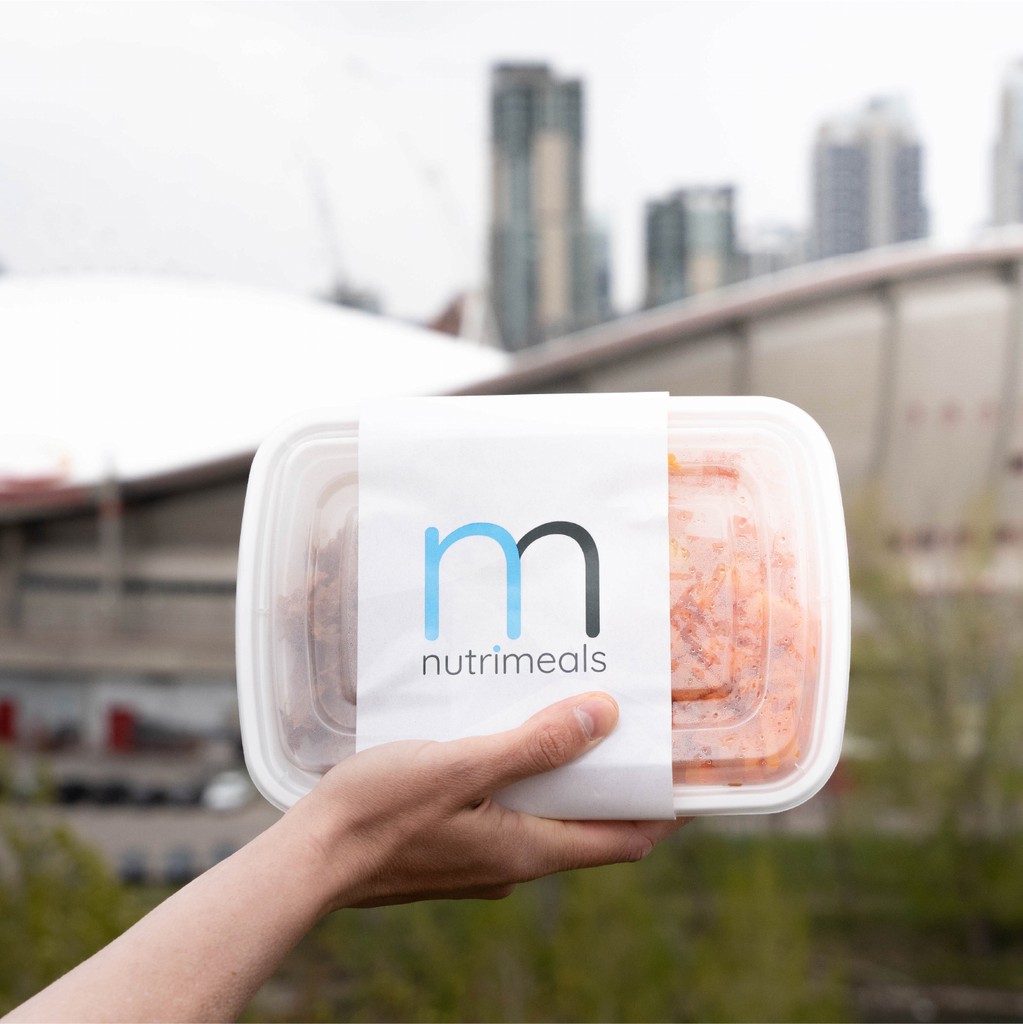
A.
pixel 743 639
pixel 758 616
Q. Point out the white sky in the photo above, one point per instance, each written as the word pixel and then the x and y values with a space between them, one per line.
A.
pixel 193 137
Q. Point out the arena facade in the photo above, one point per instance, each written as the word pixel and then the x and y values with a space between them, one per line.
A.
pixel 908 357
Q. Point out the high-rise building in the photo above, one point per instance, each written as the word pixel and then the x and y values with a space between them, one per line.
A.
pixel 868 174
pixel 690 243
pixel 1008 191
pixel 768 248
pixel 543 255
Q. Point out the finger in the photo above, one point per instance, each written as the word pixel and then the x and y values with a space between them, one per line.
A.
pixel 658 830
pixel 554 845
pixel 567 845
pixel 551 738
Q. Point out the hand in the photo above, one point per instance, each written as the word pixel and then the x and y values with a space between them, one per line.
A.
pixel 416 820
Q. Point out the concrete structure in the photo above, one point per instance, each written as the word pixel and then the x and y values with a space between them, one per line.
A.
pixel 867 181
pixel 1008 154
pixel 543 278
pixel 690 243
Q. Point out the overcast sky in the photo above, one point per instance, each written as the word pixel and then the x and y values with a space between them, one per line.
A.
pixel 265 142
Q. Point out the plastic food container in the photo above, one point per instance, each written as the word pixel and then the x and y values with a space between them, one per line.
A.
pixel 759 606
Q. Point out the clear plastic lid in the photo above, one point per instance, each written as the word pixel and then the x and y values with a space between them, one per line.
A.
pixel 759 605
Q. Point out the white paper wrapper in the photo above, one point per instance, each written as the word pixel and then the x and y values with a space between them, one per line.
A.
pixel 461 634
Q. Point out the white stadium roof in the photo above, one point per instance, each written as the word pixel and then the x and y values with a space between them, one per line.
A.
pixel 139 376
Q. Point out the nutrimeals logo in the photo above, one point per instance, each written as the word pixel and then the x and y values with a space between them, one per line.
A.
pixel 513 551
pixel 494 661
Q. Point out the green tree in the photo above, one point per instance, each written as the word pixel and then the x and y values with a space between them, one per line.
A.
pixel 58 902
pixel 753 957
pixel 937 688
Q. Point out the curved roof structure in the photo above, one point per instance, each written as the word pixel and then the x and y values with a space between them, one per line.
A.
pixel 910 358
pixel 800 289
pixel 139 377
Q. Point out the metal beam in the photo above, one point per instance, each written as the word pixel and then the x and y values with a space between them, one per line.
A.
pixel 1009 398
pixel 887 386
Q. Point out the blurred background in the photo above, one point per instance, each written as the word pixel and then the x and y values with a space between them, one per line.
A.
pixel 214 215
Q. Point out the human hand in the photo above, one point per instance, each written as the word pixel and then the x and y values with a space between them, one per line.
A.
pixel 417 820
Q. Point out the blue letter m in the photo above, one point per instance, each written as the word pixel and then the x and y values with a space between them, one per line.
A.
pixel 435 547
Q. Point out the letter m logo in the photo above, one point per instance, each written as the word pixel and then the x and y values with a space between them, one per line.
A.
pixel 512 551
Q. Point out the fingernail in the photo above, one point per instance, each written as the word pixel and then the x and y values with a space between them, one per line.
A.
pixel 597 716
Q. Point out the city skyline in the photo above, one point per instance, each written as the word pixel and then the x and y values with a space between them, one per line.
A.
pixel 184 138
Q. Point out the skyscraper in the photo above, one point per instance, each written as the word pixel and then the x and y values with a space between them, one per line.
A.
pixel 768 248
pixel 868 171
pixel 1008 193
pixel 543 255
pixel 690 243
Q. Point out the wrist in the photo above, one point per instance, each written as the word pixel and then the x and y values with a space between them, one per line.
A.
pixel 323 843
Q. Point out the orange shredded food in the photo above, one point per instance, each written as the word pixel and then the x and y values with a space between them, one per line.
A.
pixel 739 635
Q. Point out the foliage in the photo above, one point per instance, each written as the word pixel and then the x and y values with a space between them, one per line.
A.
pixel 58 901
pixel 58 904
pixel 937 686
pixel 705 929
pixel 753 960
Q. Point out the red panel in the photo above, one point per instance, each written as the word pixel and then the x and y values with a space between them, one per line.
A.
pixel 121 728
pixel 8 720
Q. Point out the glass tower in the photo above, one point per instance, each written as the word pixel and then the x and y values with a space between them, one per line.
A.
pixel 690 243
pixel 544 258
pixel 1008 192
pixel 867 180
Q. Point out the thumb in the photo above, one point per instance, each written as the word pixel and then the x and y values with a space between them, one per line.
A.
pixel 551 738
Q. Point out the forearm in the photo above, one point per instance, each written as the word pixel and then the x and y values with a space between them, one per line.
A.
pixel 396 823
pixel 204 952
